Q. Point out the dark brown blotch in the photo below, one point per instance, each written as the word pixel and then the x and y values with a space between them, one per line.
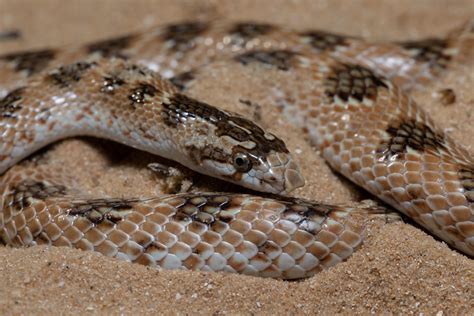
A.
pixel 250 30
pixel 99 210
pixel 65 76
pixel 111 83
pixel 139 94
pixel 411 134
pixel 353 81
pixel 24 191
pixel 112 47
pixel 431 51
pixel 181 107
pixel 307 215
pixel 281 59
pixel 194 209
pixel 31 62
pixel 181 36
pixel 324 41
pixel 10 103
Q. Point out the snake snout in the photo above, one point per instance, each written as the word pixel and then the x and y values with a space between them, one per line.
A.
pixel 285 171
pixel 293 177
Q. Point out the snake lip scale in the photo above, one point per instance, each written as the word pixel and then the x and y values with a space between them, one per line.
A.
pixel 349 96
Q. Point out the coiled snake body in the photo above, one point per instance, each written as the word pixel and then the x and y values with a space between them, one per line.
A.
pixel 351 103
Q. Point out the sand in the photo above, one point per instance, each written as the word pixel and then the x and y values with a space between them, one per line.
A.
pixel 400 269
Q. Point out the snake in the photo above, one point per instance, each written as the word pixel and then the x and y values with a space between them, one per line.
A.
pixel 351 99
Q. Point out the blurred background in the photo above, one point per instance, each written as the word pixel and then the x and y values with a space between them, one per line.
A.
pixel 57 22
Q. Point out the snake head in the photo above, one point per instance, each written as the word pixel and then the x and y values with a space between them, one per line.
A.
pixel 243 163
pixel 230 147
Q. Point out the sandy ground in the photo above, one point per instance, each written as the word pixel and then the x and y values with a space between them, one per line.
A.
pixel 399 269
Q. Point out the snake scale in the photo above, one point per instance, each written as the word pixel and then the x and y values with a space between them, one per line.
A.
pixel 349 97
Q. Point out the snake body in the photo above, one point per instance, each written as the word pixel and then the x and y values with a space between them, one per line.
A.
pixel 349 97
pixel 272 237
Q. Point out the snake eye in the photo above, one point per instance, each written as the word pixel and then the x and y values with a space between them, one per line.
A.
pixel 242 162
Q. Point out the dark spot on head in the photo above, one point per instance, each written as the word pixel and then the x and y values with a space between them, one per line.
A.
pixel 9 104
pixel 181 36
pixel 31 62
pixel 181 107
pixel 138 95
pixel 111 83
pixel 249 30
pixel 65 76
pixel 209 152
pixel 23 192
pixel 112 47
pixel 353 81
pixel 431 51
pixel 324 41
pixel 411 134
pixel 281 59
pixel 181 80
